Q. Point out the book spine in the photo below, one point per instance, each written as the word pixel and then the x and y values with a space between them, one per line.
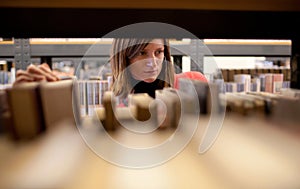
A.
pixel 277 83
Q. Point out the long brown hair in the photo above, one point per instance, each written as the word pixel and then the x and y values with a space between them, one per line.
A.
pixel 123 49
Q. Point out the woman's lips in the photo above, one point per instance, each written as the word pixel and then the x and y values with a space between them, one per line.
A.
pixel 151 71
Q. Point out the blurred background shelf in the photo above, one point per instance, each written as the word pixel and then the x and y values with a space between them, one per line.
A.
pixel 78 49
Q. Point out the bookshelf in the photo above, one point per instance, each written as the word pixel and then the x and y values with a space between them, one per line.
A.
pixel 75 49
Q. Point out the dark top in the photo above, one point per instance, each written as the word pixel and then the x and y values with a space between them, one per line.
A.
pixel 143 87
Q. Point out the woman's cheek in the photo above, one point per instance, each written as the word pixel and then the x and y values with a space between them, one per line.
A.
pixel 136 71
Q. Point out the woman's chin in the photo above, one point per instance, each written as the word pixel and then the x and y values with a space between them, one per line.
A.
pixel 149 80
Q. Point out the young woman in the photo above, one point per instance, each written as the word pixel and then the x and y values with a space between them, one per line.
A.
pixel 141 66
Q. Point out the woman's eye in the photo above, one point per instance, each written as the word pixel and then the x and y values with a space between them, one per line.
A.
pixel 159 52
pixel 141 53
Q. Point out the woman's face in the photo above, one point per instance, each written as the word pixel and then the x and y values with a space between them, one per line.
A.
pixel 147 64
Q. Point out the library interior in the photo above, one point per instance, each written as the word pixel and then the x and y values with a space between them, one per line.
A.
pixel 216 106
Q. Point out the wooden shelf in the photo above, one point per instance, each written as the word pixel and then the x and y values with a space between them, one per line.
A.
pixel 250 152
pixel 252 5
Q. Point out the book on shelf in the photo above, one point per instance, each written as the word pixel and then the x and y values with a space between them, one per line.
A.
pixel 26 111
pixel 38 106
pixel 59 102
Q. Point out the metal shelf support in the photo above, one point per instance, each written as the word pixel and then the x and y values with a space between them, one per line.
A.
pixel 22 53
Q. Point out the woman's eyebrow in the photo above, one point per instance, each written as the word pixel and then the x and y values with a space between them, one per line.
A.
pixel 158 48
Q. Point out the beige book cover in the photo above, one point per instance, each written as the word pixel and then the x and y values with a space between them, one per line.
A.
pixel 60 102
pixel 143 104
pixel 175 105
pixel 26 110
pixel 109 103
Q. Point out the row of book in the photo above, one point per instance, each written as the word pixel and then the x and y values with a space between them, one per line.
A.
pixel 48 103
pixel 283 108
pixel 29 109
pixel 7 72
pixel 228 74
pixel 91 95
pixel 169 108
pixel 209 95
pixel 194 98
pixel 271 83
pixel 249 102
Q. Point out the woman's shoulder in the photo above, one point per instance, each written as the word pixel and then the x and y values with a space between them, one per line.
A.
pixel 189 75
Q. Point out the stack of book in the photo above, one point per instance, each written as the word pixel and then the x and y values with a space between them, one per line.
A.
pixel 91 95
pixel 268 82
pixel 36 107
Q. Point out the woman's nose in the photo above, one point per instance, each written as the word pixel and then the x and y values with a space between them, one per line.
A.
pixel 151 62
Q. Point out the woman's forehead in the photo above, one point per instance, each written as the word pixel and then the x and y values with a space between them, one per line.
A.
pixel 157 41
